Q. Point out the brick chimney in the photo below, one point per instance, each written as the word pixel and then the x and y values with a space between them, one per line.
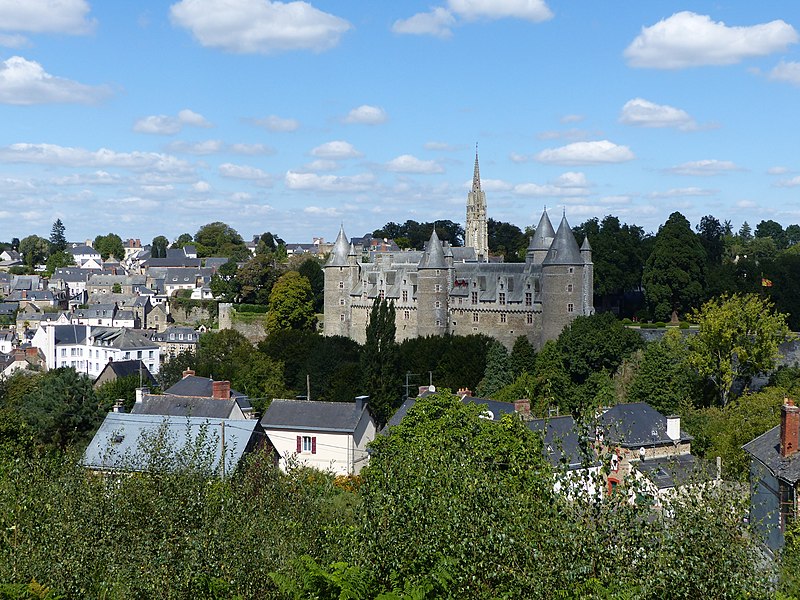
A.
pixel 523 408
pixel 462 392
pixel 790 427
pixel 188 372
pixel 221 390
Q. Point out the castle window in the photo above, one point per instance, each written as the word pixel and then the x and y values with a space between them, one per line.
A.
pixel 438 323
pixel 474 297
pixel 405 295
pixel 437 304
pixel 528 299
pixel 571 270
pixel 341 318
pixel 570 307
pixel 475 317
pixel 502 317
pixel 341 301
pixel 438 271
pixel 437 287
pixel 569 287
pixel 381 294
pixel 406 314
pixel 502 298
pixel 341 285
pixel 530 318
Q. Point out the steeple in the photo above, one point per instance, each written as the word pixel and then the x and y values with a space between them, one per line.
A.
pixel 476 231
pixel 476 174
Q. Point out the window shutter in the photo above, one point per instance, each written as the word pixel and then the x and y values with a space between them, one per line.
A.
pixel 313 445
pixel 299 444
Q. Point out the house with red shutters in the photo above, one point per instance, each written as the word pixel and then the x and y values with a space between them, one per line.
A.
pixel 775 476
pixel 331 436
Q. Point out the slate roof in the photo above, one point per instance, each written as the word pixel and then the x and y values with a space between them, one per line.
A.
pixel 117 444
pixel 83 249
pixel 125 368
pixel 182 406
pixel 338 417
pixel 767 449
pixel 564 249
pixel 72 274
pixel 8 308
pixel 562 444
pixel 122 338
pixel 341 249
pixel 544 234
pixel 201 387
pixel 635 425
pixel 181 261
pixel 670 471
pixel 433 257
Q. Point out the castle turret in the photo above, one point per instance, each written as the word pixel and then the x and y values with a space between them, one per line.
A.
pixel 588 277
pixel 476 231
pixel 341 274
pixel 563 282
pixel 541 241
pixel 432 289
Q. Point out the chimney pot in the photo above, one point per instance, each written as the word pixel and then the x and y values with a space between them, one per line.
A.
pixel 674 427
pixel 523 408
pixel 221 390
pixel 790 428
pixel 188 372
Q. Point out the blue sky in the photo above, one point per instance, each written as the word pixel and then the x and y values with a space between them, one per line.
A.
pixel 153 118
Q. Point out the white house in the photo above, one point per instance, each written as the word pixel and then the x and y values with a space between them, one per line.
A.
pixel 87 349
pixel 86 257
pixel 325 435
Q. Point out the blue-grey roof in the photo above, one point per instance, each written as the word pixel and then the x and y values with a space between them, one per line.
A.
pixel 340 417
pixel 564 249
pixel 767 449
pixel 184 406
pixel 669 471
pixel 544 234
pixel 124 440
pixel 562 442
pixel 125 368
pixel 199 387
pixel 433 257
pixel 340 252
pixel 635 425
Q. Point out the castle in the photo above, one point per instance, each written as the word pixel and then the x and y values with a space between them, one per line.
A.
pixel 445 289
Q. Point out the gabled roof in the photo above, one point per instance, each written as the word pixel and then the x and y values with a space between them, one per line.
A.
pixel 561 441
pixel 123 440
pixel 767 449
pixel 121 338
pixel 125 368
pixel 671 471
pixel 182 406
pixel 635 425
pixel 199 387
pixel 304 415
pixel 564 249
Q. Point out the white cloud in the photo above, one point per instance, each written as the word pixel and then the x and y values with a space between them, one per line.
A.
pixel 566 185
pixel 490 185
pixel 788 72
pixel 687 39
pixel 251 149
pixel 96 178
pixel 643 113
pixel 199 148
pixel 336 150
pixel 46 16
pixel 518 158
pixel 793 182
pixel 321 211
pixel 571 118
pixel 704 168
pixel 13 41
pixel 259 26
pixel 167 125
pixel 51 154
pixel 777 170
pixel 201 187
pixel 276 124
pixel 321 165
pixel 328 183
pixel 746 204
pixel 528 10
pixel 411 164
pixel 586 153
pixel 437 22
pixel 366 115
pixel 25 82
pixel 681 192
pixel 232 171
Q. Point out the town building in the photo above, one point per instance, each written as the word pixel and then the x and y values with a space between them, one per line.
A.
pixel 453 290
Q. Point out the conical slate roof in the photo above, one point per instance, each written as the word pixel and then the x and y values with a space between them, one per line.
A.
pixel 433 257
pixel 585 245
pixel 564 249
pixel 544 234
pixel 341 249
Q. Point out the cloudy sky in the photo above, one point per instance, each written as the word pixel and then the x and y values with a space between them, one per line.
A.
pixel 155 117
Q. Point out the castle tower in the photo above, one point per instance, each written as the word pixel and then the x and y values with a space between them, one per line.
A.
pixel 563 282
pixel 341 273
pixel 588 277
pixel 432 290
pixel 540 242
pixel 476 230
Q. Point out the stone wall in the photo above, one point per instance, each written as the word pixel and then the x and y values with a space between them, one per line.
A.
pixel 190 316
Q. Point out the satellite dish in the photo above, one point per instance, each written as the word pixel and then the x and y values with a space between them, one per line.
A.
pixel 431 388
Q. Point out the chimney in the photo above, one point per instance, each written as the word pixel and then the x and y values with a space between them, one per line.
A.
pixel 674 427
pixel 361 403
pixel 221 390
pixel 463 392
pixel 422 389
pixel 790 427
pixel 118 406
pixel 188 372
pixel 141 393
pixel 523 408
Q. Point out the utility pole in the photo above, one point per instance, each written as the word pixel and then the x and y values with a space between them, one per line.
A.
pixel 223 449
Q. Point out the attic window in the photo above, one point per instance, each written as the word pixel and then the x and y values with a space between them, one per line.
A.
pixel 117 438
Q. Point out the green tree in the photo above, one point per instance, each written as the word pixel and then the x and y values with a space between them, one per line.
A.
pixel 109 245
pixel 711 234
pixel 498 372
pixel 739 337
pixel 506 240
pixel 182 240
pixel 34 250
pixel 224 283
pixel 772 229
pixel 311 270
pixel 121 388
pixel 674 275
pixel 219 239
pixel 58 260
pixel 255 280
pixel 158 247
pixel 291 303
pixel 523 357
pixel 58 241
pixel 379 361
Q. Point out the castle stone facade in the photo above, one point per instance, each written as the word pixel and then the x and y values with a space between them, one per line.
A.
pixel 454 290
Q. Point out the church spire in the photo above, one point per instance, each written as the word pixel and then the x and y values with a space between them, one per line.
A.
pixel 476 175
